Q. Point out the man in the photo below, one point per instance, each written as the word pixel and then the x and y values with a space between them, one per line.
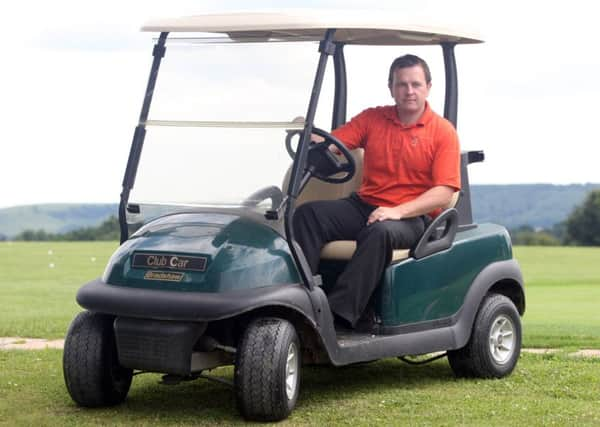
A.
pixel 411 170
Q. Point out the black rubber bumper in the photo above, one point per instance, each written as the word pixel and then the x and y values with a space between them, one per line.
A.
pixel 100 297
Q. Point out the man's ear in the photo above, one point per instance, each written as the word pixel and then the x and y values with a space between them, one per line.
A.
pixel 428 89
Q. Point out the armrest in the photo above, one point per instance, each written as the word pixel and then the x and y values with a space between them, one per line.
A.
pixel 431 242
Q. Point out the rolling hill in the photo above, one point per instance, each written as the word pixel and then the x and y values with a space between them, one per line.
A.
pixel 536 205
pixel 53 218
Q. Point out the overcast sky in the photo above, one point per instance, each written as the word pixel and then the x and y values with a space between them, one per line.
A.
pixel 73 75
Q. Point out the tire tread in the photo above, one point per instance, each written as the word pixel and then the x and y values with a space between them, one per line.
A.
pixel 87 364
pixel 260 392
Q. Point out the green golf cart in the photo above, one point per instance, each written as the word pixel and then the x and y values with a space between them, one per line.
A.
pixel 208 272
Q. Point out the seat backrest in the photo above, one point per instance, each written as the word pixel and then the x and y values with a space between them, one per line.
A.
pixel 319 190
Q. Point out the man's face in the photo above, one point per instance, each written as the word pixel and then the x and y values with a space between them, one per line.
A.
pixel 409 89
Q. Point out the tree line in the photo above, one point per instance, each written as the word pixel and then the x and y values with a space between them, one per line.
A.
pixel 581 228
pixel 107 230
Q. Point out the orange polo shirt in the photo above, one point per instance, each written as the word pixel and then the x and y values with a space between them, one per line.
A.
pixel 402 162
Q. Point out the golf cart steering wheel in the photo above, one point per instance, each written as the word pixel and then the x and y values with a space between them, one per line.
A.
pixel 323 164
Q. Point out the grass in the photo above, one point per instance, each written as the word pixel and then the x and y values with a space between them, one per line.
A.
pixel 543 390
pixel 562 287
pixel 38 282
pixel 559 265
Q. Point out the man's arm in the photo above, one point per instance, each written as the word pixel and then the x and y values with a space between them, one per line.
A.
pixel 434 198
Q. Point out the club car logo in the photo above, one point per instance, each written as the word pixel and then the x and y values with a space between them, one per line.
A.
pixel 164 276
pixel 174 262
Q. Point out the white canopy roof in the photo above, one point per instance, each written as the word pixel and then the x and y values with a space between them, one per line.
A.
pixel 365 28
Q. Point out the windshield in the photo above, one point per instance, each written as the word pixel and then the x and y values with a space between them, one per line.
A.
pixel 219 119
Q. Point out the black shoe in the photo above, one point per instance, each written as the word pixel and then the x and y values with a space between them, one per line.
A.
pixel 340 324
pixel 368 323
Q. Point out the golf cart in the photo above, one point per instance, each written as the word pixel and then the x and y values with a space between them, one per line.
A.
pixel 204 283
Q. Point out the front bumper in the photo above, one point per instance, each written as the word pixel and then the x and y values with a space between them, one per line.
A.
pixel 101 297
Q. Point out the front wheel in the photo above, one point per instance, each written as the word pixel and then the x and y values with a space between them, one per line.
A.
pixel 267 370
pixel 495 344
pixel 91 367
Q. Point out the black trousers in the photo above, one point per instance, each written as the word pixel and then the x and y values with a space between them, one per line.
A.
pixel 319 222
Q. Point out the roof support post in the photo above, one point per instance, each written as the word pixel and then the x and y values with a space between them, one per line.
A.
pixel 138 136
pixel 340 99
pixel 451 99
pixel 326 47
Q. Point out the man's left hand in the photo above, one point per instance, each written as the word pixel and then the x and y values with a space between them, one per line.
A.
pixel 382 214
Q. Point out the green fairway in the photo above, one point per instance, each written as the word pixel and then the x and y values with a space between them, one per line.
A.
pixel 544 390
pixel 559 265
pixel 39 281
pixel 562 286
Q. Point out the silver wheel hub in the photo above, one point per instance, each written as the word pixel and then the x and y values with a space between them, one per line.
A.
pixel 502 339
pixel 291 371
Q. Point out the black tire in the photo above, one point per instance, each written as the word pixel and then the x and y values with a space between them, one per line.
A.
pixel 91 367
pixel 261 370
pixel 495 344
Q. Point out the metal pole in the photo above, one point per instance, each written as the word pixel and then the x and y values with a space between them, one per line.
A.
pixel 340 98
pixel 326 47
pixel 138 136
pixel 451 100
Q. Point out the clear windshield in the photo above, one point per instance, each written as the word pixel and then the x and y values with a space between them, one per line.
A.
pixel 219 119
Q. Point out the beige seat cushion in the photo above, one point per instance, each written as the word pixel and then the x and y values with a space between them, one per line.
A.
pixel 342 250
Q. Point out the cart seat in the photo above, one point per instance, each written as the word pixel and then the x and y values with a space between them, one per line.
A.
pixel 319 190
pixel 343 250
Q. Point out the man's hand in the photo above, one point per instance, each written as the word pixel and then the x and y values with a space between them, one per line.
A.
pixel 318 139
pixel 434 198
pixel 381 214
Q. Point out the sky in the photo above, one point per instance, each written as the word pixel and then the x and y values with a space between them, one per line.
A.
pixel 73 75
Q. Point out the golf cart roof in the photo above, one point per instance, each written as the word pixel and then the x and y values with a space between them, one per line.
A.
pixel 365 28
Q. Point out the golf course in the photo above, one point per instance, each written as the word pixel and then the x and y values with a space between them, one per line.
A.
pixel 37 289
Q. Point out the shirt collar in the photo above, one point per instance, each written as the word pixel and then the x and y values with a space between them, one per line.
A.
pixel 390 114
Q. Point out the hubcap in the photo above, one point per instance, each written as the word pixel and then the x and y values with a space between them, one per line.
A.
pixel 291 371
pixel 502 339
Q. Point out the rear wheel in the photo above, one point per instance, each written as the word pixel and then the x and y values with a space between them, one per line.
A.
pixel 495 344
pixel 91 367
pixel 267 370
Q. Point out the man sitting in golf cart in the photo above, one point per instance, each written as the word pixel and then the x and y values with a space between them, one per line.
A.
pixel 411 171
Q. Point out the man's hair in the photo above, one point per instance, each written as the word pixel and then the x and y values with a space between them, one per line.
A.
pixel 407 61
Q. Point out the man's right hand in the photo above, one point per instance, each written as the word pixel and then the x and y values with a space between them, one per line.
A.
pixel 318 139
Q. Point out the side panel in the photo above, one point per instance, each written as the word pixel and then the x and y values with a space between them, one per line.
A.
pixel 433 338
pixel 435 287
